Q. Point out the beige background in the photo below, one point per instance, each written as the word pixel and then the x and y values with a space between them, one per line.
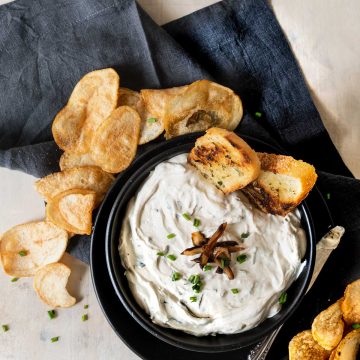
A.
pixel 325 37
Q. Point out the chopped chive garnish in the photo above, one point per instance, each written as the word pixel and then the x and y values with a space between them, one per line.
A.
pixel 194 279
pixel 207 267
pixel 175 276
pixel 55 339
pixel 328 196
pixel 245 235
pixel 5 328
pixel 197 222
pixel 220 183
pixel 14 279
pixel 225 263
pixel 22 253
pixel 52 314
pixel 235 291
pixel 258 114
pixel 193 298
pixel 84 317
pixel 355 326
pixel 241 258
pixel 171 236
pixel 283 298
pixel 151 120
pixel 160 253
pixel 186 216
pixel 86 306
pixel 172 257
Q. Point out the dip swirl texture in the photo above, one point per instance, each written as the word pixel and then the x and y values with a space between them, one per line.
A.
pixel 274 248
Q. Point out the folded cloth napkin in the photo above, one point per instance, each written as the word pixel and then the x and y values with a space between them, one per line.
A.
pixel 46 46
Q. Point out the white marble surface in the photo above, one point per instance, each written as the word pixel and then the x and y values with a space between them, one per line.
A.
pixel 325 37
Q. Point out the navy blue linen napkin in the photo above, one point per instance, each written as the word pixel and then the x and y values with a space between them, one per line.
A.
pixel 47 46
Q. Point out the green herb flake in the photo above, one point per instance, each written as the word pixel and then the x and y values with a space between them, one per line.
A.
pixel 283 298
pixel 52 314
pixel 151 120
pixel 55 339
pixel 207 267
pixel 355 326
pixel 224 263
pixel 5 328
pixel 258 114
pixel 245 235
pixel 193 298
pixel 175 276
pixel 194 279
pixel 171 236
pixel 235 291
pixel 22 253
pixel 186 216
pixel 172 257
pixel 85 317
pixel 241 258
pixel 197 222
pixel 160 253
pixel 220 183
pixel 197 287
pixel 328 196
pixel 86 306
pixel 14 279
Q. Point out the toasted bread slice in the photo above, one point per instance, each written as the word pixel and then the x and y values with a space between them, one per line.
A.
pixel 328 327
pixel 282 184
pixel 225 160
pixel 304 347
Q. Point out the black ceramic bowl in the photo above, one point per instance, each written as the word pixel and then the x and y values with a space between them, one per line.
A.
pixel 130 182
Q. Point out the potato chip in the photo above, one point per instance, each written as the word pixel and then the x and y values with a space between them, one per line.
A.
pixel 151 126
pixel 130 98
pixel 86 177
pixel 332 355
pixel 156 100
pixel 93 99
pixel 328 327
pixel 351 304
pixel 72 210
pixel 50 285
pixel 303 347
pixel 348 347
pixel 115 142
pixel 71 160
pixel 204 104
pixel 39 243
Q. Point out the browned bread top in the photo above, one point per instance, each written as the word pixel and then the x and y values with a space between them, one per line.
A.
pixel 225 159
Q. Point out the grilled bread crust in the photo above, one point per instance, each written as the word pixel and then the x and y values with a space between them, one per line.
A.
pixel 282 185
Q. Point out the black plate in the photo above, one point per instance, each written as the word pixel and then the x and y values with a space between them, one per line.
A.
pixel 128 329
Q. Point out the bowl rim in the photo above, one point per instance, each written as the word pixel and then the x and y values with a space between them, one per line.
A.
pixel 175 147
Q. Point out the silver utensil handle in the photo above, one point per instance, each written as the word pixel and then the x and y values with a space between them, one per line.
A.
pixel 261 350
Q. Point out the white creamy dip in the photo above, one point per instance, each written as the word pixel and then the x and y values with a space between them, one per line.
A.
pixel 274 249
